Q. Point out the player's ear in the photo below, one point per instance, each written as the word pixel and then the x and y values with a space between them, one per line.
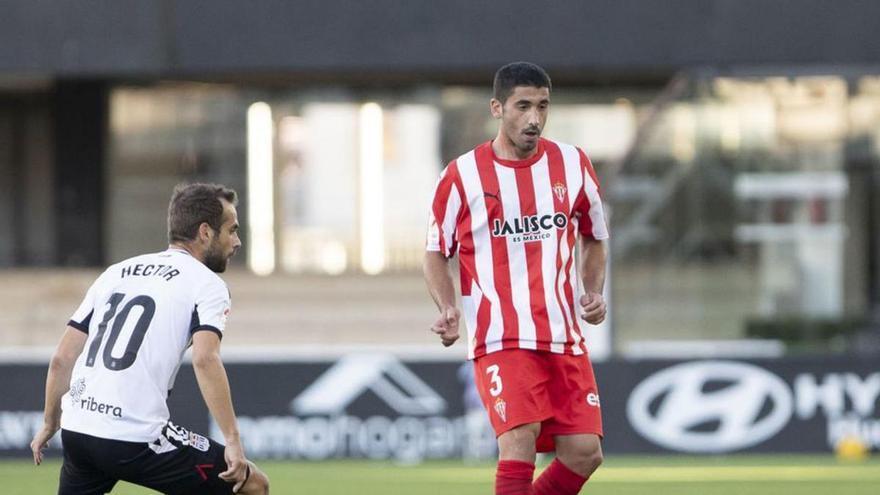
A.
pixel 205 232
pixel 495 107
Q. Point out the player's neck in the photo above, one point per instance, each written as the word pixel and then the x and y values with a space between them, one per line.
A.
pixel 506 150
pixel 190 250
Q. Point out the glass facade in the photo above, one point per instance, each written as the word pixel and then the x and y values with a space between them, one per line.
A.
pixel 734 201
pixel 746 203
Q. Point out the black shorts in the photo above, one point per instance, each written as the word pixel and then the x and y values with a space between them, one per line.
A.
pixel 178 462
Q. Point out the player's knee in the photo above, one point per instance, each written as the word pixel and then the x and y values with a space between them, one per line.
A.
pixel 584 462
pixel 594 460
pixel 519 443
pixel 258 484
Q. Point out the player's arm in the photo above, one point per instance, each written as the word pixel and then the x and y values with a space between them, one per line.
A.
pixel 214 385
pixel 441 245
pixel 57 384
pixel 593 257
pixel 438 277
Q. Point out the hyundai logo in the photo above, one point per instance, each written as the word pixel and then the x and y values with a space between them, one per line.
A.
pixel 710 406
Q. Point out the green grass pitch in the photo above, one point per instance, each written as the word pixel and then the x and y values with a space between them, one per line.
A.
pixel 620 475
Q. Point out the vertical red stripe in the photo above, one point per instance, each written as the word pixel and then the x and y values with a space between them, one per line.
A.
pixel 571 294
pixel 526 188
pixel 468 268
pixel 582 202
pixel 588 165
pixel 441 201
pixel 484 318
pixel 500 260
pixel 556 166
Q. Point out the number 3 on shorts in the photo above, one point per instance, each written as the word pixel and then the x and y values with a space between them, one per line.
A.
pixel 497 387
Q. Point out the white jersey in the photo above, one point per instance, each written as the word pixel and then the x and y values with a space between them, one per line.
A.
pixel 140 316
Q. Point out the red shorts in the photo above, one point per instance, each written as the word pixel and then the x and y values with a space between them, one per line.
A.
pixel 521 386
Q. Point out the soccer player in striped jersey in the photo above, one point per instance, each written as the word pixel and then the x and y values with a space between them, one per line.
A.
pixel 516 210
pixel 118 358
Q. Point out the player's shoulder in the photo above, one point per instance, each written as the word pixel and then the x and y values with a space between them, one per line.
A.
pixel 565 148
pixel 468 157
pixel 572 155
pixel 200 274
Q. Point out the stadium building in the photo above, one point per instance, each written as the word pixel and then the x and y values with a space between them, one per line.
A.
pixel 737 142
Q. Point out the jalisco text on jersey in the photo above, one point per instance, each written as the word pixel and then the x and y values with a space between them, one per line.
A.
pixel 528 224
pixel 165 271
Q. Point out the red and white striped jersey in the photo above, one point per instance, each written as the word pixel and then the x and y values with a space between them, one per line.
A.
pixel 514 226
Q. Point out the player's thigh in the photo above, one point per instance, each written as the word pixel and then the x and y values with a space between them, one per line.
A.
pixel 579 445
pixel 513 388
pixel 582 453
pixel 81 469
pixel 179 462
pixel 519 443
pixel 575 397
pixel 76 479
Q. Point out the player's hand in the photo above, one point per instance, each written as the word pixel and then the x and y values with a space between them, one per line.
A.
pixel 446 325
pixel 237 466
pixel 41 441
pixel 593 308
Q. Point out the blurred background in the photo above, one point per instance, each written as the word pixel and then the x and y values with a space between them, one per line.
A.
pixel 737 143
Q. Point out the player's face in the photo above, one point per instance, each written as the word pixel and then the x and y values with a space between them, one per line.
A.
pixel 225 243
pixel 523 116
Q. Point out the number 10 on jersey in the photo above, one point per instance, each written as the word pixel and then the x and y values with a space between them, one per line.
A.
pixel 148 307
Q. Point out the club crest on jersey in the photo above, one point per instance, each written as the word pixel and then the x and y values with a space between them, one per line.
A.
pixel 501 409
pixel 529 228
pixel 559 190
pixel 77 389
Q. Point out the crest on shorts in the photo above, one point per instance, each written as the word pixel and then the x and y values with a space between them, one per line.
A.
pixel 501 409
pixel 559 190
pixel 199 442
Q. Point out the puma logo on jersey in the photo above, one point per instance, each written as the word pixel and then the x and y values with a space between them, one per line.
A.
pixel 91 405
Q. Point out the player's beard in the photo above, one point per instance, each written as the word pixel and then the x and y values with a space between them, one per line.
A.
pixel 529 142
pixel 215 260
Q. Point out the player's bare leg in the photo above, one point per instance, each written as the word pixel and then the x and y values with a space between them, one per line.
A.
pixel 257 483
pixel 577 457
pixel 580 453
pixel 516 460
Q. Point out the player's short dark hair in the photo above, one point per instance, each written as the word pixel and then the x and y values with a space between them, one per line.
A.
pixel 518 74
pixel 194 204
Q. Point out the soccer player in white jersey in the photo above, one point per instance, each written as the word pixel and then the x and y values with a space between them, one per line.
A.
pixel 513 210
pixel 115 365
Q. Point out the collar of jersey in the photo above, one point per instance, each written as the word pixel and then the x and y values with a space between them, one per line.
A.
pixel 179 250
pixel 527 162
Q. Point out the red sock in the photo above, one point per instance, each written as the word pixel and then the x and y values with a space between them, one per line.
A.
pixel 558 479
pixel 514 478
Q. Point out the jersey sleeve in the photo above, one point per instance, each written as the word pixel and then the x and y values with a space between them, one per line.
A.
pixel 212 308
pixel 591 213
pixel 82 317
pixel 444 212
